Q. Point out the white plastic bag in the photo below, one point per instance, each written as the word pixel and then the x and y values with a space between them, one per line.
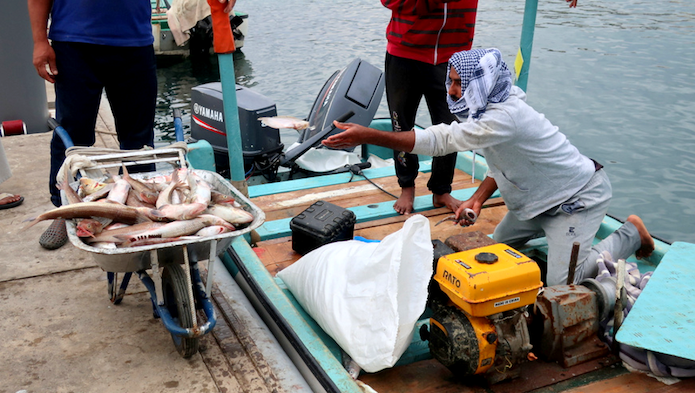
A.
pixel 367 296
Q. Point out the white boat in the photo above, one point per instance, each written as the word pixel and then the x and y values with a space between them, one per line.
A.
pixel 200 35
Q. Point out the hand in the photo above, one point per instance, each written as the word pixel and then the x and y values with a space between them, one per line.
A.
pixel 573 3
pixel 353 135
pixel 461 215
pixel 230 5
pixel 45 61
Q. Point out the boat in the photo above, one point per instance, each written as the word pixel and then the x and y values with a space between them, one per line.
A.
pixel 200 41
pixel 255 262
pixel 567 352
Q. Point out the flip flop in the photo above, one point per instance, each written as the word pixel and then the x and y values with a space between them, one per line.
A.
pixel 11 204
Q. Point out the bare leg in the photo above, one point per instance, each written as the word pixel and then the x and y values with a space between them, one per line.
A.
pixel 404 204
pixel 446 200
pixel 647 246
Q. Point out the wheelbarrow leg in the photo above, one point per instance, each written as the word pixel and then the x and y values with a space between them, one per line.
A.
pixel 112 278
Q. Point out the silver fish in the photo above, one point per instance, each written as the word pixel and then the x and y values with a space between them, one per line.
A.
pixel 230 214
pixel 142 190
pixel 114 211
pixel 185 211
pixel 212 231
pixel 172 229
pixel 280 122
pixel 120 192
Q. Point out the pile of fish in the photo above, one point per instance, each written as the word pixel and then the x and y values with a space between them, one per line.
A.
pixel 127 212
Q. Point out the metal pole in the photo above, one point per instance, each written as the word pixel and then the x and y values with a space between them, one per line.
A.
pixel 523 57
pixel 231 116
pixel 22 91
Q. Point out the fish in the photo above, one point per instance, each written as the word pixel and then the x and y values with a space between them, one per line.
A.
pixel 70 194
pixel 201 190
pixel 158 240
pixel 220 198
pixel 143 191
pixel 114 211
pixel 111 235
pixel 134 201
pixel 230 214
pixel 211 220
pixel 90 227
pixel 164 197
pixel 284 122
pixel 119 193
pixel 184 211
pixel 172 229
pixel 212 231
pixel 90 186
pixel 101 193
pixel 105 245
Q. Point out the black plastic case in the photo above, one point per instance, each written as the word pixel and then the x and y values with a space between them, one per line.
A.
pixel 320 224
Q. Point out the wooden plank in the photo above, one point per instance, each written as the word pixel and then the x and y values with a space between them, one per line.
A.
pixel 356 193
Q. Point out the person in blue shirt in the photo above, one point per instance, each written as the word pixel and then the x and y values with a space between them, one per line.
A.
pixel 96 46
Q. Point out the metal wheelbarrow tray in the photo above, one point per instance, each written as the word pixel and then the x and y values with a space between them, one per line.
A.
pixel 133 259
pixel 176 289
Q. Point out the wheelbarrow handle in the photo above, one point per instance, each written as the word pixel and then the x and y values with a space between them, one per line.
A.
pixel 61 132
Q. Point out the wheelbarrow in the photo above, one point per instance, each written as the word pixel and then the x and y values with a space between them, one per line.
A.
pixel 169 271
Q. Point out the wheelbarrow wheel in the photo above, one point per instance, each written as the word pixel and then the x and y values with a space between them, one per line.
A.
pixel 176 301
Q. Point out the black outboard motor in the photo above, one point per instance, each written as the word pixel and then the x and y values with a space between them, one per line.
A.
pixel 207 122
pixel 352 94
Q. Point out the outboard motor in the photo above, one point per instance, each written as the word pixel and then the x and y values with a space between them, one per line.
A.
pixel 352 94
pixel 207 122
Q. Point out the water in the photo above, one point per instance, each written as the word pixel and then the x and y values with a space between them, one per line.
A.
pixel 617 77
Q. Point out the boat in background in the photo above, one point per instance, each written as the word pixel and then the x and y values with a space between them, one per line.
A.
pixel 200 41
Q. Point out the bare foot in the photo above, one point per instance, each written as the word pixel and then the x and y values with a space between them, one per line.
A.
pixel 10 200
pixel 404 204
pixel 647 246
pixel 446 200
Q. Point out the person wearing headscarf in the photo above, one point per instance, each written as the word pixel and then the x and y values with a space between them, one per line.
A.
pixel 549 187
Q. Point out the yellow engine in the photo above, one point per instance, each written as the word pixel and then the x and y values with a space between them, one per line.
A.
pixel 479 300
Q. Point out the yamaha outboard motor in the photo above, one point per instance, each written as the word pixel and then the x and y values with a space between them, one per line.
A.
pixel 207 122
pixel 352 94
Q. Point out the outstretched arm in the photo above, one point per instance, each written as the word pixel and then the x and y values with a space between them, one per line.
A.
pixel 356 134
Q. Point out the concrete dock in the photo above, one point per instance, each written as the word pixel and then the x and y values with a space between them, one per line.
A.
pixel 61 333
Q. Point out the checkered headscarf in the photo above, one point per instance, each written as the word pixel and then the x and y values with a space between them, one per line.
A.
pixel 485 78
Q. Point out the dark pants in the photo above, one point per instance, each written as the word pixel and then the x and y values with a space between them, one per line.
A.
pixel 129 77
pixel 407 81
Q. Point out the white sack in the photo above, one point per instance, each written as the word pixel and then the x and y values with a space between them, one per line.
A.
pixel 367 296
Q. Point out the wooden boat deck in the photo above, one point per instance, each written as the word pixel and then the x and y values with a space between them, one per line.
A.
pixel 600 375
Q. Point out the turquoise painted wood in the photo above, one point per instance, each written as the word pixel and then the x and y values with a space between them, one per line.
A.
pixel 201 156
pixel 320 181
pixel 663 317
pixel 231 116
pixel 526 44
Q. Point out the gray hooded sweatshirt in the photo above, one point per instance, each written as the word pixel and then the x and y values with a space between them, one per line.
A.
pixel 533 163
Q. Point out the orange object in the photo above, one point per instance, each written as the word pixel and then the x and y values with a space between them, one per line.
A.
pixel 222 37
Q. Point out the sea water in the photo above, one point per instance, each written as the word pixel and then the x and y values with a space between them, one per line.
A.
pixel 617 77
